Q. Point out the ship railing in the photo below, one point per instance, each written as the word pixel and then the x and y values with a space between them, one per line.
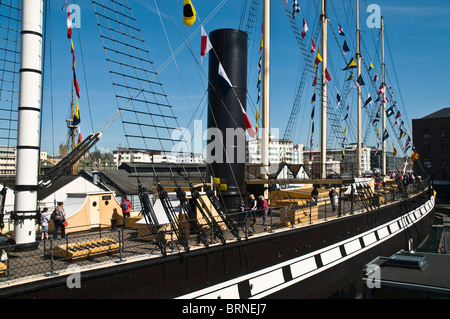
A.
pixel 107 244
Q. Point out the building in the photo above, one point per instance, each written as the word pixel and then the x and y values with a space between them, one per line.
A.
pixel 431 138
pixel 123 155
pixel 279 151
pixel 7 161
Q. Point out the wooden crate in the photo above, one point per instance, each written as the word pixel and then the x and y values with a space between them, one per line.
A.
pixel 298 215
pixel 3 269
pixel 86 249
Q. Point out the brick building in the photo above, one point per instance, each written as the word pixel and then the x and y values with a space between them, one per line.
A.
pixel 431 137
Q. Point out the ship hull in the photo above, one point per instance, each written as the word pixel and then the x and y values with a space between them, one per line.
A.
pixel 322 260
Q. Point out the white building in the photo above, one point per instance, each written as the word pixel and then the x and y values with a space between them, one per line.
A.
pixel 7 161
pixel 135 156
pixel 279 151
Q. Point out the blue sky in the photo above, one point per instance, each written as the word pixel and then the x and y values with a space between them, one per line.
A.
pixel 417 50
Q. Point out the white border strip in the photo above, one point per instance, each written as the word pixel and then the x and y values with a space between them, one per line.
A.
pixel 270 280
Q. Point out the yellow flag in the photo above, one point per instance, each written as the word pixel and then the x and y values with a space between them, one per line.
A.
pixel 189 14
pixel 257 114
pixel 345 130
pixel 216 181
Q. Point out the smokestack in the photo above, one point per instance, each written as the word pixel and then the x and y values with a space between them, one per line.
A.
pixel 226 139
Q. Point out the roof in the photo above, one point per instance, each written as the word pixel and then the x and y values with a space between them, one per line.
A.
pixel 56 185
pixel 445 112
pixel 122 182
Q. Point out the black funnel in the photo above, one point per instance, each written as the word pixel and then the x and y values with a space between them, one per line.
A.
pixel 226 147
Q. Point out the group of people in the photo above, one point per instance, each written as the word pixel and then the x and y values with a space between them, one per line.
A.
pixel 60 221
pixel 250 212
pixel 334 197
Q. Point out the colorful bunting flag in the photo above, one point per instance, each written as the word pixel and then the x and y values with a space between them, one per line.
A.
pixel 313 46
pixel 75 83
pixel 341 31
pixel 350 65
pixel 76 116
pixel 295 8
pixel 305 29
pixel 345 47
pixel 69 24
pixel 248 125
pixel 205 44
pixel 189 14
pixel 385 135
pixel 369 100
pixel 224 80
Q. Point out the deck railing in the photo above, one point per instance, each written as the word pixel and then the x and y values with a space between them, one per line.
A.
pixel 110 244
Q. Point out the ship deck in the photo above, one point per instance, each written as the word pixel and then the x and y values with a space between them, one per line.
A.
pixel 43 261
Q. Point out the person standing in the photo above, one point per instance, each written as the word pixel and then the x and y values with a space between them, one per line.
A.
pixel 264 206
pixel 252 207
pixel 45 219
pixel 314 195
pixel 333 198
pixel 59 217
pixel 125 204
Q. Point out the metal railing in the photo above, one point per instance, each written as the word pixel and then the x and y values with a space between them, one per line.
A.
pixel 54 256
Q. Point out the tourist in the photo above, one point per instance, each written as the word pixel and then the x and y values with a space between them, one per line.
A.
pixel 59 217
pixel 314 195
pixel 252 207
pixel 45 219
pixel 126 208
pixel 264 208
pixel 333 198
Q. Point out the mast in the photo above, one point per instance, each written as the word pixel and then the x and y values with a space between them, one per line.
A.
pixel 266 94
pixel 384 97
pixel 28 141
pixel 323 136
pixel 358 58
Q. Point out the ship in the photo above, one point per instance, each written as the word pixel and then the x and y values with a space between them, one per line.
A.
pixel 192 242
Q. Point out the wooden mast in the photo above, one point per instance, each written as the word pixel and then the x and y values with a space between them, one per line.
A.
pixel 266 95
pixel 358 58
pixel 323 136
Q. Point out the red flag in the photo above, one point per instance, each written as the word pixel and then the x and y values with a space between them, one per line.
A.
pixel 206 45
pixel 375 78
pixel 305 28
pixel 247 123
pixel 327 76
pixel 75 83
pixel 313 46
pixel 398 115
pixel 69 26
pixel 315 81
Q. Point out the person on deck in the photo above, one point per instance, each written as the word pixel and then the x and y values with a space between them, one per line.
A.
pixel 314 195
pixel 264 208
pixel 59 217
pixel 252 207
pixel 126 208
